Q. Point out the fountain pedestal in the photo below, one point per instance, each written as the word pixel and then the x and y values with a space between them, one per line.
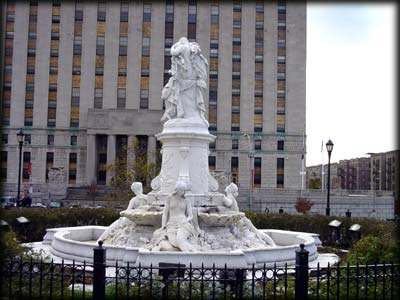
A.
pixel 185 157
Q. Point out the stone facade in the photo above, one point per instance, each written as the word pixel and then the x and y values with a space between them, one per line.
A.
pixel 379 204
pixel 133 121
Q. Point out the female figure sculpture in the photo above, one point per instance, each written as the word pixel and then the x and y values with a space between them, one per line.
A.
pixel 184 93
pixel 244 224
pixel 177 226
pixel 140 199
pixel 114 233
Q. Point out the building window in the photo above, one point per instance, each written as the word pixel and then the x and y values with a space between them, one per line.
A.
pixel 27 140
pixel 257 144
pixel 235 144
pixel 101 11
pixel 73 158
pixel 74 140
pixel 280 127
pixel 212 145
pixel 257 172
pixel 3 166
pixel 101 159
pixel 281 145
pixel 280 171
pixel 4 139
pixel 49 163
pixel 146 12
pixel 211 163
pixel 123 45
pixel 235 169
pixel 50 139
pixel 144 98
pixel 26 171
pixel 121 98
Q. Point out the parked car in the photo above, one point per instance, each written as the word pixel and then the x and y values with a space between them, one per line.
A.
pixel 8 201
pixel 40 205
pixel 55 204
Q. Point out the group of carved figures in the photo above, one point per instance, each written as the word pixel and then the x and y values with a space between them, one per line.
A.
pixel 180 230
pixel 183 96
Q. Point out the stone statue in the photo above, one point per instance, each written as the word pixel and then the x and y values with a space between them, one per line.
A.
pixel 57 183
pixel 244 225
pixel 184 93
pixel 230 199
pixel 177 231
pixel 140 199
pixel 115 233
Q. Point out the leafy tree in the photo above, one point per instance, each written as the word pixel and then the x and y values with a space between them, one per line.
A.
pixel 314 183
pixel 125 171
pixel 303 205
pixel 92 191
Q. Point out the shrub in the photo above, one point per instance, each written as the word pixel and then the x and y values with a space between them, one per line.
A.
pixel 374 249
pixel 319 224
pixel 303 205
pixel 9 245
pixel 41 219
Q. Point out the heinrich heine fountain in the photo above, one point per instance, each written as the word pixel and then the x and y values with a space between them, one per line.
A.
pixel 184 218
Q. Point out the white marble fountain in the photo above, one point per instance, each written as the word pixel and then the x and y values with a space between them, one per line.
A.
pixel 183 219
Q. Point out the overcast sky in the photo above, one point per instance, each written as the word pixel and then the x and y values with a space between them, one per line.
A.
pixel 351 59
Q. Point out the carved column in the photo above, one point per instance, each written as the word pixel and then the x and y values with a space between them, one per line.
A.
pixel 110 155
pixel 91 155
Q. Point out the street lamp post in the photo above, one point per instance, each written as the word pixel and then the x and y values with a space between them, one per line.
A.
pixel 20 138
pixel 329 147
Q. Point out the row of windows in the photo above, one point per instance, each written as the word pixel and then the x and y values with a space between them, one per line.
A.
pixel 7 72
pixel 100 44
pixel 54 51
pixel 26 171
pixel 236 66
pixel 146 41
pixel 192 16
pixel 213 68
pixel 76 66
pixel 259 66
pixel 168 39
pixel 257 144
pixel 280 176
pixel 123 51
pixel 281 67
pixel 30 78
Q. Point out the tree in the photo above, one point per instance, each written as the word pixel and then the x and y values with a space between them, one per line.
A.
pixel 92 190
pixel 314 183
pixel 303 205
pixel 125 171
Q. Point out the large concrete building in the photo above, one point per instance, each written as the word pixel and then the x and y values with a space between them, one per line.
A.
pixel 83 78
pixel 355 173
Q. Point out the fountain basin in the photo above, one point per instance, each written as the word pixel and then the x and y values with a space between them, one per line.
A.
pixel 77 243
pixel 146 218
pixel 219 219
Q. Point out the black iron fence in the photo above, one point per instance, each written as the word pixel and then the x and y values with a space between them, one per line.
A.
pixel 22 279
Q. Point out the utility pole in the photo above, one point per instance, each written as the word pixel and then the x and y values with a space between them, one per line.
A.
pixel 251 156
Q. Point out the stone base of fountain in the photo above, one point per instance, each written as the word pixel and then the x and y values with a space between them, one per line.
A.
pixel 77 243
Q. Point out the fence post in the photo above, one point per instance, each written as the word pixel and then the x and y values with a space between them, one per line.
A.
pixel 301 284
pixel 99 272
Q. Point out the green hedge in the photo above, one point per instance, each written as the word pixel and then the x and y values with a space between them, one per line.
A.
pixel 319 224
pixel 41 219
